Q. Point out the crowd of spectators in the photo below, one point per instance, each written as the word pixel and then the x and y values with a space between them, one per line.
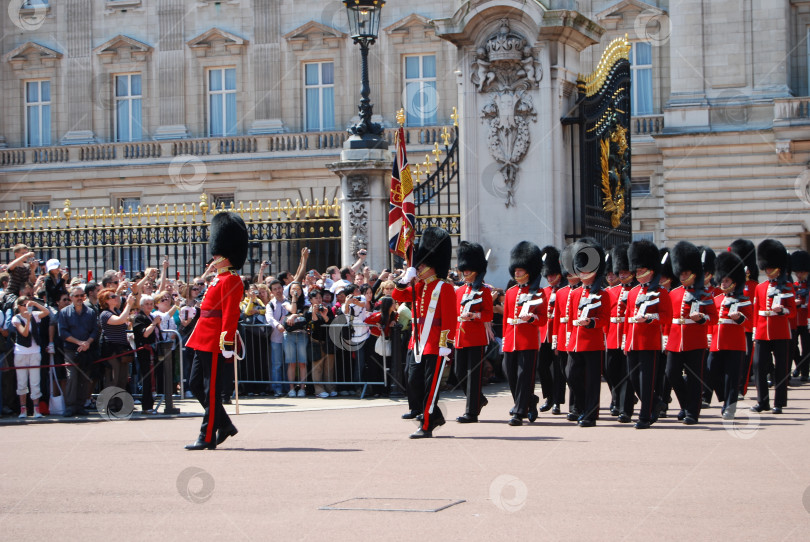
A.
pixel 306 332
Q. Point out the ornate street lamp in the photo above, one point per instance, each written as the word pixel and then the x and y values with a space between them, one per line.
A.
pixel 364 22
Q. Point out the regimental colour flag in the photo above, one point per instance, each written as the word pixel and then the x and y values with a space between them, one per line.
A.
pixel 401 214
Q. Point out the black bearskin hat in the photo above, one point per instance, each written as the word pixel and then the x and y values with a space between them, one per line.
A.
pixel 551 261
pixel 608 262
pixel 800 261
pixel 619 256
pixel 471 257
pixel 644 254
pixel 435 249
pixel 686 257
pixel 747 252
pixel 728 264
pixel 707 258
pixel 527 255
pixel 771 254
pixel 589 256
pixel 229 238
pixel 666 268
pixel 566 265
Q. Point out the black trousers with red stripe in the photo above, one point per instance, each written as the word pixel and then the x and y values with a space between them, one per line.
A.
pixel 801 356
pixel 688 389
pixel 558 363
pixel 545 361
pixel 776 354
pixel 431 363
pixel 585 379
pixel 724 370
pixel 641 366
pixel 208 377
pixel 621 390
pixel 519 367
pixel 748 362
pixel 468 363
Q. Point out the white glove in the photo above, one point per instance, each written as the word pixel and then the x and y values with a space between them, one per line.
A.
pixel 664 342
pixel 409 275
pixel 227 354
pixel 443 350
pixel 553 342
pixel 50 349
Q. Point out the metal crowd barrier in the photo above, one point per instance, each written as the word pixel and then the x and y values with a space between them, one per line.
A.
pixel 256 367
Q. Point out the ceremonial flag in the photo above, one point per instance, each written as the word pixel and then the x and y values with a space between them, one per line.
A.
pixel 402 210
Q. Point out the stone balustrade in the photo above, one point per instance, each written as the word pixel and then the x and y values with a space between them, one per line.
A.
pixel 647 125
pixel 208 146
pixel 791 111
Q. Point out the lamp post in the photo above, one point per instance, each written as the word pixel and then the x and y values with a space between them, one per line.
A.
pixel 364 23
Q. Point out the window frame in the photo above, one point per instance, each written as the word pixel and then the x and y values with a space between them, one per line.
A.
pixel 38 104
pixel 128 98
pixel 421 80
pixel 634 67
pixel 209 93
pixel 320 86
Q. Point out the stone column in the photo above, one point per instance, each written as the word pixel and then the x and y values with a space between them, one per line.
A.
pixel 170 55
pixel 365 176
pixel 79 73
pixel 518 66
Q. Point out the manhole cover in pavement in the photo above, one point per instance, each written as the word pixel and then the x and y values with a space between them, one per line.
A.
pixel 392 504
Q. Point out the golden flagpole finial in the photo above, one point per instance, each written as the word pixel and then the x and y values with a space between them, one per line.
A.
pixel 401 117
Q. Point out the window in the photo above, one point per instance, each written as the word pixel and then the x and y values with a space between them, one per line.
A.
pixel 319 84
pixel 30 4
pixel 222 201
pixel 641 77
pixel 222 102
pixel 643 236
pixel 37 113
pixel 640 187
pixel 421 102
pixel 128 108
pixel 37 207
pixel 131 257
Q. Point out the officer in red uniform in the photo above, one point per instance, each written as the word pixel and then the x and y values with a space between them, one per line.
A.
pixel 214 337
pixel 774 302
pixel 562 312
pixel 800 265
pixel 728 347
pixel 616 362
pixel 585 331
pixel 649 315
pixel 434 311
pixel 693 311
pixel 663 389
pixel 552 382
pixel 523 314
pixel 747 252
pixel 474 330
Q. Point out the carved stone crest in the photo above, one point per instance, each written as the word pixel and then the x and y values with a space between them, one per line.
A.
pixel 358 225
pixel 358 187
pixel 507 69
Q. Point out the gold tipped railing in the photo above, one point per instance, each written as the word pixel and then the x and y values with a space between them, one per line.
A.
pixel 617 49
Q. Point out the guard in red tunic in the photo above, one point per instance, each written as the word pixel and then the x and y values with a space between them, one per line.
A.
pixel 524 312
pixel 726 359
pixel 800 265
pixel 649 315
pixel 586 328
pixel 562 312
pixel 774 302
pixel 549 370
pixel 214 337
pixel 434 311
pixel 663 389
pixel 693 311
pixel 474 330
pixel 616 362
pixel 747 252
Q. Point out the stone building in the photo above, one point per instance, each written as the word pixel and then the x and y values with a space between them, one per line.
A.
pixel 115 103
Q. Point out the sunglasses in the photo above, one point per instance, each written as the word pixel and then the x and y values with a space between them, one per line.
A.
pixel 113 296
pixel 196 289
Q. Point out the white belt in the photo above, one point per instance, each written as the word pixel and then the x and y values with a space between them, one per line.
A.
pixel 564 320
pixel 617 319
pixel 514 321
pixel 769 313
pixel 726 321
pixel 576 323
pixel 683 321
pixel 640 319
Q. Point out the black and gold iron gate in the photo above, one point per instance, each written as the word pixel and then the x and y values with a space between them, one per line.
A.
pixel 437 199
pixel 90 241
pixel 602 187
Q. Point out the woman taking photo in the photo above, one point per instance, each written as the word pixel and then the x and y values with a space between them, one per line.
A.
pixel 147 333
pixel 114 323
pixel 295 340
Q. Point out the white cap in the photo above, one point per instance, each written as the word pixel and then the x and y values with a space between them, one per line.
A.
pixel 52 264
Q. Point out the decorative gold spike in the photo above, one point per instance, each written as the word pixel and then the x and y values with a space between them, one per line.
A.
pixel 445 136
pixel 454 116
pixel 436 151
pixel 204 204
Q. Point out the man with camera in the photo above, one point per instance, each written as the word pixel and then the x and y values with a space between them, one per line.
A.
pixel 322 354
